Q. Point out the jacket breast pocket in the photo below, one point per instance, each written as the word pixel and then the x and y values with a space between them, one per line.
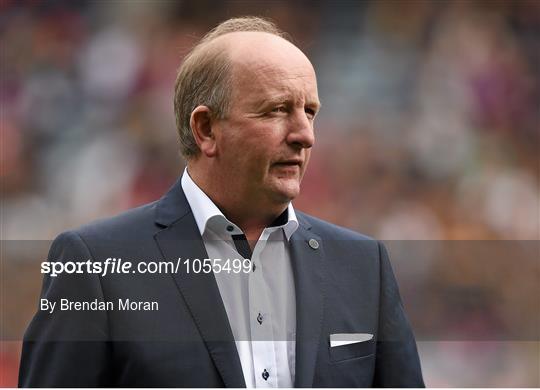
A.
pixel 352 351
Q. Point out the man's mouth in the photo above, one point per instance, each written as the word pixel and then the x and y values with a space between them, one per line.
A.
pixel 291 163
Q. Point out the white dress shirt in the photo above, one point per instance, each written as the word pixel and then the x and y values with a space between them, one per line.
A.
pixel 260 304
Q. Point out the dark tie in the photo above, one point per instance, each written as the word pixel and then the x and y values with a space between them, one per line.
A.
pixel 242 245
pixel 241 242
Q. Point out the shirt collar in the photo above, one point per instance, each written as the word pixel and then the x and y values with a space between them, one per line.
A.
pixel 209 216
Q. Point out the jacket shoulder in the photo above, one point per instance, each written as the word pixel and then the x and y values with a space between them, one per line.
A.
pixel 330 230
pixel 128 224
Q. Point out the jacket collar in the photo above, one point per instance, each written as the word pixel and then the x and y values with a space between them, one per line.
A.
pixel 172 206
pixel 180 238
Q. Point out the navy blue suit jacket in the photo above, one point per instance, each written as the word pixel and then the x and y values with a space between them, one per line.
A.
pixel 346 285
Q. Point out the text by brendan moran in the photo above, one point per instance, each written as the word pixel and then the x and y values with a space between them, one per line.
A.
pixel 65 304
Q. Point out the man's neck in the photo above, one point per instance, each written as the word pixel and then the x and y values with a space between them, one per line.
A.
pixel 250 216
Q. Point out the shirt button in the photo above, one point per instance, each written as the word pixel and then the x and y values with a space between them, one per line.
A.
pixel 230 228
pixel 265 374
pixel 260 319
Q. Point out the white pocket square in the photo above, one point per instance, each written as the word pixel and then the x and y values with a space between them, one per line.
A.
pixel 339 339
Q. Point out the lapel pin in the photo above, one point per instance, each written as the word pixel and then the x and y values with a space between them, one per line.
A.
pixel 313 243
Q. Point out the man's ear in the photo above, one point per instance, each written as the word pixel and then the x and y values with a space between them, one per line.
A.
pixel 201 127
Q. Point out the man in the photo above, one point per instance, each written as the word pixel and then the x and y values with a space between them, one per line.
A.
pixel 316 306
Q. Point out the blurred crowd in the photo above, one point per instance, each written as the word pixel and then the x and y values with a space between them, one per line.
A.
pixel 429 130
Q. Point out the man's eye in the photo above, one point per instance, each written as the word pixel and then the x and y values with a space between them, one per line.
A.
pixel 310 113
pixel 279 109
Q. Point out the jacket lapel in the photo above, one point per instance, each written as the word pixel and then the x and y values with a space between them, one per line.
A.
pixel 181 239
pixel 307 264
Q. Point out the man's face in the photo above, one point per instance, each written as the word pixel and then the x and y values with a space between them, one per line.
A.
pixel 264 143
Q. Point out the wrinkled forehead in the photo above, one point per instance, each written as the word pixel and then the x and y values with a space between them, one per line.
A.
pixel 273 74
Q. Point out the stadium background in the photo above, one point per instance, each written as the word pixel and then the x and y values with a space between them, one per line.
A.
pixel 428 138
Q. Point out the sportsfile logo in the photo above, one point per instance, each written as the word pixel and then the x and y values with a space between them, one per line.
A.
pixel 113 265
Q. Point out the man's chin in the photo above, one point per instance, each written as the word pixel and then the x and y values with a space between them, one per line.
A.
pixel 286 190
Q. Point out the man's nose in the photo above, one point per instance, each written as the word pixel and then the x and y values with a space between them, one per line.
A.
pixel 301 131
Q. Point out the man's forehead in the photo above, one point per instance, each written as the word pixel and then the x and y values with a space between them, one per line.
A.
pixel 266 63
pixel 274 81
pixel 272 65
pixel 272 72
